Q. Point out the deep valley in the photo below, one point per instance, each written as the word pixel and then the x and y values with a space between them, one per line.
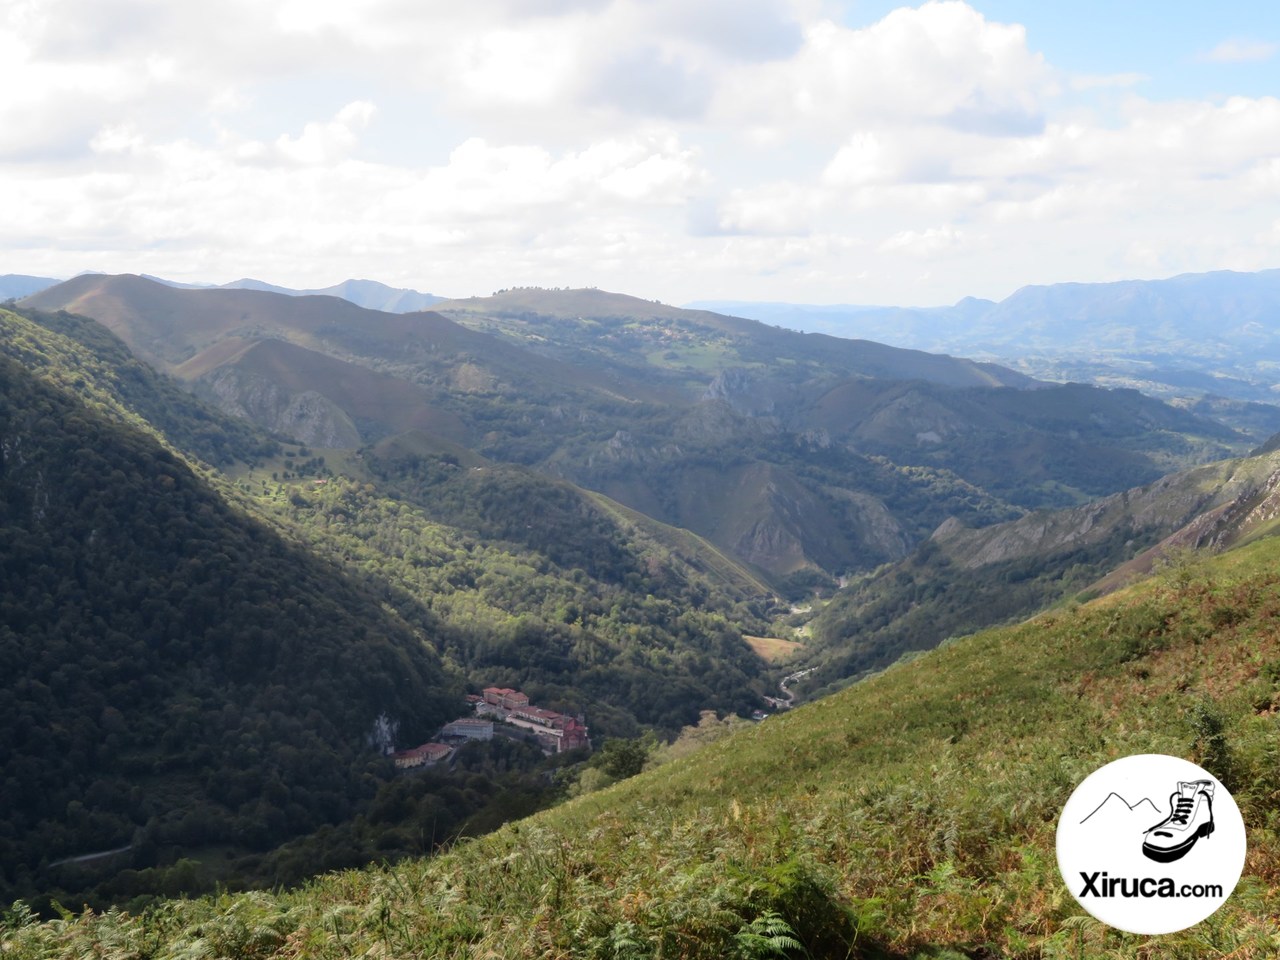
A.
pixel 257 542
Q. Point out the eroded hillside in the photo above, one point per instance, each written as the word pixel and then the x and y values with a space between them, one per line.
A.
pixel 804 456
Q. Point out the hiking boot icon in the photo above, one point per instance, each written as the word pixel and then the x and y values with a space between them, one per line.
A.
pixel 1190 818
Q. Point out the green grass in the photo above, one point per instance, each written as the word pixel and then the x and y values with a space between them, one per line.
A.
pixel 912 815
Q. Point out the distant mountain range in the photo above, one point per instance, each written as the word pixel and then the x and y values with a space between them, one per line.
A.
pixel 363 293
pixel 15 286
pixel 797 454
pixel 1190 335
pixel 1193 336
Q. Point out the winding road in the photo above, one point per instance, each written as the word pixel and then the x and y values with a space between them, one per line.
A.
pixel 792 678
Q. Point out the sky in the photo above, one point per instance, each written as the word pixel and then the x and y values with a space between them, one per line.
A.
pixel 809 151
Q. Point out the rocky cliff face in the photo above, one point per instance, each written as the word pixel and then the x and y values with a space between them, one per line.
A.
pixel 1202 508
pixel 914 417
pixel 1255 508
pixel 748 394
pixel 308 417
pixel 717 421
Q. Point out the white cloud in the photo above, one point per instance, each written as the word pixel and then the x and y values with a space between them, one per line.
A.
pixel 724 146
pixel 302 206
pixel 864 159
pixel 924 243
pixel 941 63
pixel 118 139
pixel 893 155
pixel 658 171
pixel 1156 142
pixel 486 181
pixel 749 30
pixel 534 66
pixel 313 17
pixel 1240 51
pixel 327 142
pixel 777 209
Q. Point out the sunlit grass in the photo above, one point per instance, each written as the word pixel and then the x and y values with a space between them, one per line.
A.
pixel 774 649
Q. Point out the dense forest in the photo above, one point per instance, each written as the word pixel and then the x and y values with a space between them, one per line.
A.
pixel 83 357
pixel 201 675
pixel 911 816
pixel 174 670
pixel 539 588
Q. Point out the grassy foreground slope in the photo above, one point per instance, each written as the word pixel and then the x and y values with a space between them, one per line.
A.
pixel 912 815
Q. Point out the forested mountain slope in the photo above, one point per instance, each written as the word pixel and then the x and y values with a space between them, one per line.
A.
pixel 173 670
pixel 506 576
pixel 80 356
pixel 388 573
pixel 806 457
pixel 910 816
pixel 168 326
pixel 964 579
pixel 274 384
pixel 540 585
pixel 522 569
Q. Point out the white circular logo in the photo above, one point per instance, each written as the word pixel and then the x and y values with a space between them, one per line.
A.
pixel 1151 844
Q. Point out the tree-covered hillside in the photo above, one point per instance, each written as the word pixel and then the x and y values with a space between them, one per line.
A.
pixel 963 579
pixel 544 587
pixel 193 687
pixel 172 670
pixel 82 357
pixel 233 634
pixel 912 816
pixel 526 580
